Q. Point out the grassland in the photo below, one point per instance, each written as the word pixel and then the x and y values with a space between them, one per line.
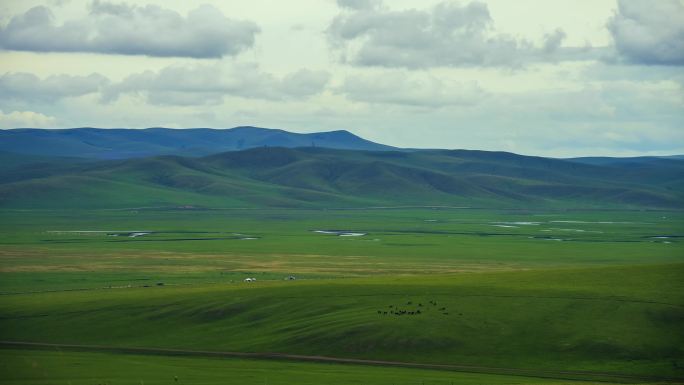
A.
pixel 57 249
pixel 325 178
pixel 539 291
pixel 33 367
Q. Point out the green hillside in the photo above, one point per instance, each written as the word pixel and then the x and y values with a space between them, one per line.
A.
pixel 558 295
pixel 36 367
pixel 316 177
pixel 605 320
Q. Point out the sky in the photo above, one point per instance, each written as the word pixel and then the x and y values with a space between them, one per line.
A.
pixel 551 78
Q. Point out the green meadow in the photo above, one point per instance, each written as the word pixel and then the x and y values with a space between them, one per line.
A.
pixel 58 367
pixel 497 296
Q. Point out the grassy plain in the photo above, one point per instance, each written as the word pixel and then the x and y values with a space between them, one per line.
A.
pixel 598 291
pixel 33 367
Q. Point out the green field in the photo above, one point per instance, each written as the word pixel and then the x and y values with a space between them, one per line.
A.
pixel 551 295
pixel 58 367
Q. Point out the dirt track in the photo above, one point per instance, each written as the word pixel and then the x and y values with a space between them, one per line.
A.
pixel 543 373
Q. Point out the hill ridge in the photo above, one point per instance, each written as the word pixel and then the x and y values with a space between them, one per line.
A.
pixel 122 143
pixel 319 177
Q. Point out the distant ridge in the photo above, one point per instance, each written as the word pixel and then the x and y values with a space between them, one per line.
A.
pixel 628 161
pixel 317 177
pixel 122 143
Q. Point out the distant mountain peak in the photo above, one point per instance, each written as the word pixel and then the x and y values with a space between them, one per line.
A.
pixel 122 143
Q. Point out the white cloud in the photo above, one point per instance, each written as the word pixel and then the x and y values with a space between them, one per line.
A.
pixel 210 84
pixel 488 74
pixel 649 32
pixel 131 30
pixel 447 35
pixel 28 87
pixel 28 119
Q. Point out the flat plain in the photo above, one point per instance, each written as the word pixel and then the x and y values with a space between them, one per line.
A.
pixel 458 295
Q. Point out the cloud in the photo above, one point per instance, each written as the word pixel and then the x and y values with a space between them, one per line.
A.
pixel 552 41
pixel 28 119
pixel 410 89
pixel 131 30
pixel 649 32
pixel 303 83
pixel 359 4
pixel 28 87
pixel 210 84
pixel 446 35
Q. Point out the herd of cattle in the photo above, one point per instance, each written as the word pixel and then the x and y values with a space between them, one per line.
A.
pixel 395 310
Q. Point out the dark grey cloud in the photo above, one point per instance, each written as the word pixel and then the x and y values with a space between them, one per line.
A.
pixel 131 30
pixel 552 41
pixel 649 32
pixel 450 34
pixel 210 84
pixel 26 87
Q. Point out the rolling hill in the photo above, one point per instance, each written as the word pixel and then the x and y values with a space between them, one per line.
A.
pixel 98 143
pixel 318 177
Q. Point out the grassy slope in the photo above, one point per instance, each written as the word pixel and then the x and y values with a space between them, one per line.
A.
pixel 608 317
pixel 624 320
pixel 313 177
pixel 23 367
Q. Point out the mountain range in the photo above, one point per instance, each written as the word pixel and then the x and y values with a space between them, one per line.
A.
pixel 53 173
pixel 121 143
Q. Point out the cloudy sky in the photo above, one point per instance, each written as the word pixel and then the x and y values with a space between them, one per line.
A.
pixel 541 77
